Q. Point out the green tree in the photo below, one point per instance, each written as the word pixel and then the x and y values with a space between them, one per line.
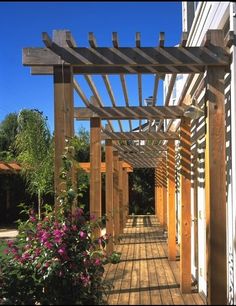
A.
pixel 35 153
pixel 81 144
pixel 142 195
pixel 8 131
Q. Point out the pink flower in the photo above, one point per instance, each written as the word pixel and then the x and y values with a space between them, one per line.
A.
pixel 6 251
pixel 14 250
pixel 44 236
pixel 37 252
pixel 32 219
pixel 85 279
pixel 48 245
pixel 65 228
pixel 39 226
pixel 82 234
pixel 79 212
pixel 97 262
pixel 62 251
pixel 10 243
pixel 24 257
pixel 92 217
pixel 47 264
pixel 74 228
pixel 58 234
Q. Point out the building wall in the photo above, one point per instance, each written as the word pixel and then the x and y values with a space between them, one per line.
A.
pixel 211 15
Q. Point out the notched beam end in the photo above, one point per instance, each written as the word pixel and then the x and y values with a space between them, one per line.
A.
pixel 70 40
pixel 47 40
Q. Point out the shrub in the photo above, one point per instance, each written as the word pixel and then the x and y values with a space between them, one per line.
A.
pixel 56 260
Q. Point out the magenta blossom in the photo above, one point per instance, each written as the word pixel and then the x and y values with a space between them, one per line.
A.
pixel 10 243
pixel 82 234
pixel 37 252
pixel 32 219
pixel 85 280
pixel 48 245
pixel 97 262
pixel 58 234
pixel 74 228
pixel 44 236
pixel 62 252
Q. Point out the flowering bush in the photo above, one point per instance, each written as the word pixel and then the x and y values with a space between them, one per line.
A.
pixel 55 260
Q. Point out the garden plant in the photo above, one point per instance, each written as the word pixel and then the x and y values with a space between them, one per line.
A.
pixel 56 260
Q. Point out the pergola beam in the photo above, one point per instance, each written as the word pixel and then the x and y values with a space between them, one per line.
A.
pixel 128 60
pixel 139 135
pixel 132 112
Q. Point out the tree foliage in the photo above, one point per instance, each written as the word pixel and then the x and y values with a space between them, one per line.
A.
pixel 8 131
pixel 142 187
pixel 35 152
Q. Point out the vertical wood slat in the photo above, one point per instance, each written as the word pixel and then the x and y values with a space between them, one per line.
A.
pixel 95 170
pixel 171 200
pixel 185 220
pixel 63 114
pixel 121 194
pixel 109 195
pixel 156 193
pixel 164 191
pixel 116 212
pixel 160 195
pixel 125 196
pixel 215 188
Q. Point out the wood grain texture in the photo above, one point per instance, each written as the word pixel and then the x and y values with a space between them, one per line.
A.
pixel 185 218
pixel 95 173
pixel 145 276
pixel 171 209
pixel 109 195
pixel 215 187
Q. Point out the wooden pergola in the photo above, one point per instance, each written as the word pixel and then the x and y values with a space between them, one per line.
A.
pixel 63 59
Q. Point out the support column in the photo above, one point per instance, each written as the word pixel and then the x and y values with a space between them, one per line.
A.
pixel 121 205
pixel 159 194
pixel 95 170
pixel 164 190
pixel 171 200
pixel 63 122
pixel 109 195
pixel 215 179
pixel 116 211
pixel 185 218
pixel 125 196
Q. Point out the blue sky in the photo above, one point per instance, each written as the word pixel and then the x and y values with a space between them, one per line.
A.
pixel 21 26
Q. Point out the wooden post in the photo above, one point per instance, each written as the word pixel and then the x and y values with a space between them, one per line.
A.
pixel 63 106
pixel 185 219
pixel 159 194
pixel 215 179
pixel 109 195
pixel 155 192
pixel 164 191
pixel 116 211
pixel 125 196
pixel 95 170
pixel 171 200
pixel 121 205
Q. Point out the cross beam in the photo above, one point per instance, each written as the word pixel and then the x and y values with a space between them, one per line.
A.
pixel 103 60
pixel 139 135
pixel 132 112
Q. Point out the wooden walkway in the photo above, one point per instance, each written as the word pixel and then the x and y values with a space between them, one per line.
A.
pixel 145 276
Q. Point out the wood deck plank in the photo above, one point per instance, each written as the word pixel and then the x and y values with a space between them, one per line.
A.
pixel 145 276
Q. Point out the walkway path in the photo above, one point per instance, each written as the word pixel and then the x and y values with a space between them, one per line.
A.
pixel 145 276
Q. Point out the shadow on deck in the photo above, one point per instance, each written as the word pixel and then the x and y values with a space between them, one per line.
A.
pixel 144 275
